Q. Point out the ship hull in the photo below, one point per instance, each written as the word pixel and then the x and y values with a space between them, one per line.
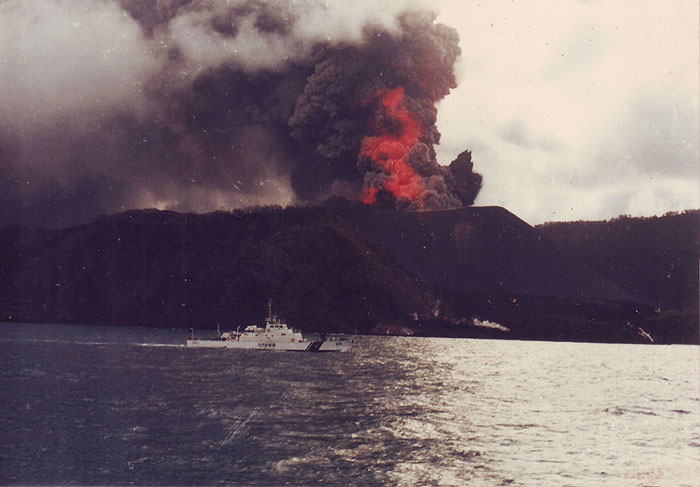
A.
pixel 311 346
pixel 275 335
pixel 257 345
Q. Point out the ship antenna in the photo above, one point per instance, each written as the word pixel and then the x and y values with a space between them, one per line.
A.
pixel 269 309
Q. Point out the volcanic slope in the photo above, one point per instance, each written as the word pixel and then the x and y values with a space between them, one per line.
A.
pixel 489 264
pixel 165 269
pixel 478 250
pixel 343 267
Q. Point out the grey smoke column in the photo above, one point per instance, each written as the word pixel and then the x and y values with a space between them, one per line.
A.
pixel 341 104
pixel 197 105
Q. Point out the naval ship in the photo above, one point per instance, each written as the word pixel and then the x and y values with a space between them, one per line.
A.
pixel 276 335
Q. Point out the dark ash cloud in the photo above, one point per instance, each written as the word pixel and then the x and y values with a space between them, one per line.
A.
pixel 197 105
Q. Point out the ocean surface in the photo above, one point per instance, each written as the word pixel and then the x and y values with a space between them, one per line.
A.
pixel 91 405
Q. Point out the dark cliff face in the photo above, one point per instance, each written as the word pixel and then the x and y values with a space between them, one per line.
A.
pixel 342 267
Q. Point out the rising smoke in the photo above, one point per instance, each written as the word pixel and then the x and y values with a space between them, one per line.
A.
pixel 195 105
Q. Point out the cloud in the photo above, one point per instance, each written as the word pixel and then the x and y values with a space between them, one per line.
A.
pixel 577 110
pixel 659 134
pixel 519 133
pixel 200 104
pixel 60 59
pixel 571 109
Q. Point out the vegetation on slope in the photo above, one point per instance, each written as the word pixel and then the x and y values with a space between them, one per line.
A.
pixel 653 258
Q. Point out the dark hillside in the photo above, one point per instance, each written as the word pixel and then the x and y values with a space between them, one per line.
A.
pixel 342 267
pixel 478 250
pixel 172 270
pixel 655 259
pixel 487 263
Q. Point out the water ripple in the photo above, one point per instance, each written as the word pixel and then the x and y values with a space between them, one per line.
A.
pixel 396 411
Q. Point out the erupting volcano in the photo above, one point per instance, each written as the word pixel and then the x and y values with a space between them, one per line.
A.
pixel 389 150
pixel 373 106
pixel 399 166
pixel 233 104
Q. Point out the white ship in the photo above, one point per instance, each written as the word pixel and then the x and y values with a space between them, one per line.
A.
pixel 275 336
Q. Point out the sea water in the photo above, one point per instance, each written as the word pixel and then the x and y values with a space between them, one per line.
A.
pixel 94 405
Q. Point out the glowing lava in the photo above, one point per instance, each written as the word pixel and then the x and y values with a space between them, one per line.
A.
pixel 389 150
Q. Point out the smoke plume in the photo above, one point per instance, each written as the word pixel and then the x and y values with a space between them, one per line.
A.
pixel 195 105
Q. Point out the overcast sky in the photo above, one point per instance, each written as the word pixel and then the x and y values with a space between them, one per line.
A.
pixel 572 109
pixel 577 109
